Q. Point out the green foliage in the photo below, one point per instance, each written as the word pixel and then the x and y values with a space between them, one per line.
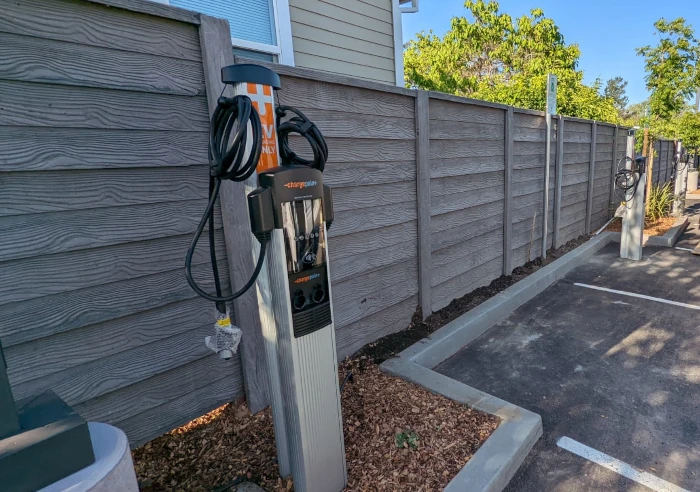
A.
pixel 406 439
pixel 688 129
pixel 671 66
pixel 497 58
pixel 659 201
pixel 615 90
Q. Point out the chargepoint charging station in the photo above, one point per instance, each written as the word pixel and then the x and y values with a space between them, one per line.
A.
pixel 289 213
pixel 630 184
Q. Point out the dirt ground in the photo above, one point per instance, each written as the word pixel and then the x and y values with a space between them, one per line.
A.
pixel 651 227
pixel 397 435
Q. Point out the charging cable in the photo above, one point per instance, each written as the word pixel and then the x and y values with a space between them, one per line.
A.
pixel 228 139
pixel 306 128
pixel 627 180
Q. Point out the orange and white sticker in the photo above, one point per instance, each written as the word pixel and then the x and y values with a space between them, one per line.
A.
pixel 264 103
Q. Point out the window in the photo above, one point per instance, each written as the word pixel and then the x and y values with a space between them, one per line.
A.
pixel 260 29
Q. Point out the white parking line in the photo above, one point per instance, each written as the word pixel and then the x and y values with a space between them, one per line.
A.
pixel 617 466
pixel 640 296
pixel 683 249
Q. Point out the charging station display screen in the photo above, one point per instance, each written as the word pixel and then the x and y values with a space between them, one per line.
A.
pixel 304 235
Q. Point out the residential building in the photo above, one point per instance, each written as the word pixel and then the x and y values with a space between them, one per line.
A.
pixel 362 38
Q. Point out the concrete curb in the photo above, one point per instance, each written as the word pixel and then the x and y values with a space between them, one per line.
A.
pixel 450 339
pixel 497 460
pixel 667 240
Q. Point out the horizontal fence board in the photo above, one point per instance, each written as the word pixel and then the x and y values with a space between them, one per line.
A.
pixel 529 148
pixel 524 120
pixel 68 148
pixel 354 197
pixel 573 126
pixel 450 203
pixel 351 338
pixel 454 288
pixel 466 183
pixel 460 130
pixel 573 230
pixel 361 296
pixel 33 59
pixel 78 308
pixel 372 240
pixel 350 150
pixel 368 173
pixel 576 158
pixel 55 191
pixel 524 134
pixel 201 400
pixel 64 350
pixel 159 389
pixel 88 23
pixel 30 104
pixel 450 149
pixel 461 233
pixel 351 266
pixel 465 112
pixel 467 264
pixel 451 262
pixel 45 275
pixel 87 381
pixel 576 137
pixel 365 219
pixel 459 166
pixel 361 126
pixel 333 97
pixel 574 178
pixel 56 232
pixel 577 148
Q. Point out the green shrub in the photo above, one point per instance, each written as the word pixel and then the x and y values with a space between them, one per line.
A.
pixel 659 201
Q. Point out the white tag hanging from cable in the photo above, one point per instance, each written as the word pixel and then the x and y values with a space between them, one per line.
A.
pixel 226 336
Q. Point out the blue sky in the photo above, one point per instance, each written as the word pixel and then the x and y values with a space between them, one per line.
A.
pixel 606 31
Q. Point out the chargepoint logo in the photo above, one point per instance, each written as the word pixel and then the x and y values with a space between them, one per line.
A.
pixel 263 101
pixel 301 280
pixel 301 184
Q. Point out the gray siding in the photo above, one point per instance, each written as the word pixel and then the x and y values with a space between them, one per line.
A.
pixel 349 37
pixel 103 138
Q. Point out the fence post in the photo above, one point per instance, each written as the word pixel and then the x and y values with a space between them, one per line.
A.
pixel 215 41
pixel 558 177
pixel 613 170
pixel 422 109
pixel 508 194
pixel 591 177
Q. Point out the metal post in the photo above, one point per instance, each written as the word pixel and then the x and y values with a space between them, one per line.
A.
pixel 9 422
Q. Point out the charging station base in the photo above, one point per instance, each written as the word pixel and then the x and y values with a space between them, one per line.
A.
pixel 53 442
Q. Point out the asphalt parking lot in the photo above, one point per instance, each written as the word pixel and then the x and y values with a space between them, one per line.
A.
pixel 609 356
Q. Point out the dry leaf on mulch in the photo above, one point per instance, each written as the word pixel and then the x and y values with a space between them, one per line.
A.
pixel 397 435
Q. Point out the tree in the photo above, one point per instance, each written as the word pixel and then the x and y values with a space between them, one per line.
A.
pixel 672 67
pixel 688 129
pixel 615 90
pixel 496 58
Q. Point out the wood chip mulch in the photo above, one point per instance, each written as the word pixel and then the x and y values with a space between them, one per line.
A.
pixel 651 227
pixel 397 436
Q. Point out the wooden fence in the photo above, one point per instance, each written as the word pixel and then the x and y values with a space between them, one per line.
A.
pixel 103 172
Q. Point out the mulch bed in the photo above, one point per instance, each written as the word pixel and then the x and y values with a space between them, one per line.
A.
pixel 397 435
pixel 657 227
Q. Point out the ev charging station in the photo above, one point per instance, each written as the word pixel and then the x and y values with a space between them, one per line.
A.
pixel 630 181
pixel 289 212
pixel 680 174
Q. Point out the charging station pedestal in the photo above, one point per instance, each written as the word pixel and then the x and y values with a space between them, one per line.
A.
pixel 681 181
pixel 294 202
pixel 632 237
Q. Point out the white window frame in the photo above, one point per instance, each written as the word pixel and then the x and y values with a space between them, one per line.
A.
pixel 398 42
pixel 284 50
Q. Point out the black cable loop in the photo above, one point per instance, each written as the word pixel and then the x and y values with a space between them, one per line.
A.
pixel 626 180
pixel 303 126
pixel 233 119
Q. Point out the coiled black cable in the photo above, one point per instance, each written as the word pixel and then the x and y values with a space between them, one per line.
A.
pixel 228 138
pixel 627 180
pixel 303 126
